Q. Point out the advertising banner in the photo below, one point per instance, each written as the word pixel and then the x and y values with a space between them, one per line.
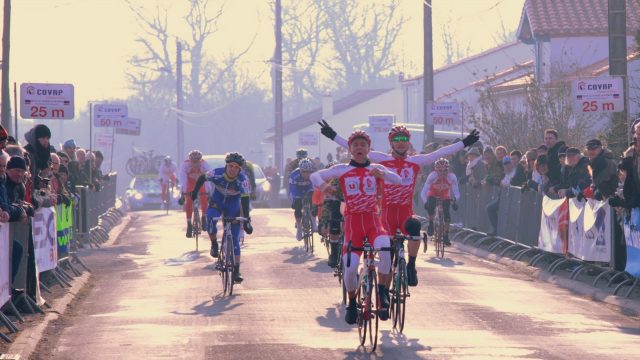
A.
pixel 45 242
pixel 632 237
pixel 590 233
pixel 5 265
pixel 64 227
pixel 550 238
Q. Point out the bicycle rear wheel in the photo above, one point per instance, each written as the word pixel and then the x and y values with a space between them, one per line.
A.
pixel 230 264
pixel 196 225
pixel 364 309
pixel 440 242
pixel 222 266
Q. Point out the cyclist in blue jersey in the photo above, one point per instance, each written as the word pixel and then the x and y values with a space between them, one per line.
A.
pixel 300 187
pixel 229 198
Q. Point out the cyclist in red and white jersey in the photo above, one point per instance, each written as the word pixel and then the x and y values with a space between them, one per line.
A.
pixel 167 172
pixel 397 200
pixel 440 184
pixel 190 171
pixel 360 181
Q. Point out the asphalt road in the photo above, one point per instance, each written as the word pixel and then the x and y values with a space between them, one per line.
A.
pixel 153 297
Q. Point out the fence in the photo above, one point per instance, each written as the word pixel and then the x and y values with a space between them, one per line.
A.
pixel 560 234
pixel 46 247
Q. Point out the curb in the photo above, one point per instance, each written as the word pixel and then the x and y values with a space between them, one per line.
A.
pixel 628 305
pixel 28 339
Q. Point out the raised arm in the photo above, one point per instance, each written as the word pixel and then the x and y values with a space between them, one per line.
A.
pixel 426 159
pixel 320 178
pixel 327 130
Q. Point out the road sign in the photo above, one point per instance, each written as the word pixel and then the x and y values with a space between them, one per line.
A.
pixel 110 115
pixel 307 139
pixel 380 123
pixel 130 126
pixel 598 95
pixel 46 101
pixel 104 140
pixel 445 116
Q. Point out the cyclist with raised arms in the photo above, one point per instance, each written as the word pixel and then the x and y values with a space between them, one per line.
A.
pixel 167 172
pixel 360 181
pixel 299 188
pixel 440 184
pixel 190 171
pixel 397 200
pixel 229 198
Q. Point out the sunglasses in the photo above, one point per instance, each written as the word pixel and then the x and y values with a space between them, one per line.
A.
pixel 400 138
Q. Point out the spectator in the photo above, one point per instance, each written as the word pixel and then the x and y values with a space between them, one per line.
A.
pixel 459 166
pixel 575 176
pixel 495 172
pixel 530 163
pixel 500 152
pixel 4 138
pixel 64 158
pixel 76 173
pixel 69 148
pixel 16 170
pixel 511 178
pixel 604 170
pixel 630 166
pixel 553 161
pixel 476 170
pixel 58 187
pixel 542 150
pixel 38 148
pixel 8 212
pixel 11 140
pixel 516 159
pixel 539 180
pixel 329 158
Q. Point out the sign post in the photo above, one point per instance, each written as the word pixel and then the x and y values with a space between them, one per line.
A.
pixel 598 95
pixel 46 101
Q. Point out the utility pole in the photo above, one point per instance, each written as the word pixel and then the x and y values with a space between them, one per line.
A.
pixel 6 38
pixel 179 100
pixel 427 79
pixel 277 96
pixel 620 133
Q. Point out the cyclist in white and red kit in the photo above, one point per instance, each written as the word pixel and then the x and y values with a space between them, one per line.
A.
pixel 360 181
pixel 167 172
pixel 397 200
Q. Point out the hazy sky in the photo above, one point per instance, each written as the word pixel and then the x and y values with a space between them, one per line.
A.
pixel 88 42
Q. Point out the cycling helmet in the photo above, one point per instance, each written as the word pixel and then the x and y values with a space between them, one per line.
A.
pixel 442 164
pixel 167 159
pixel 302 153
pixel 398 130
pixel 235 157
pixel 195 155
pixel 359 134
pixel 305 165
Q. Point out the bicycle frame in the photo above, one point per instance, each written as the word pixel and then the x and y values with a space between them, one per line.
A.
pixel 438 234
pixel 226 257
pixel 307 228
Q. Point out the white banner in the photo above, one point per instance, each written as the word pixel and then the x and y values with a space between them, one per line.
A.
pixel 5 269
pixel 45 238
pixel 590 230
pixel 549 237
pixel 632 238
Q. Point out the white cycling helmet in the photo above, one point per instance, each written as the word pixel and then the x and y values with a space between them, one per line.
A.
pixel 305 165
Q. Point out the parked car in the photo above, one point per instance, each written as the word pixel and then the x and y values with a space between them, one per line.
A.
pixel 263 187
pixel 144 192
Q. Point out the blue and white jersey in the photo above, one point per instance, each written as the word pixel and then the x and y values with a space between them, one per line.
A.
pixel 226 189
pixel 298 186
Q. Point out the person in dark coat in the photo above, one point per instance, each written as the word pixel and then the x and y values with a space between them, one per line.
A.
pixel 39 149
pixel 604 170
pixel 553 160
pixel 575 175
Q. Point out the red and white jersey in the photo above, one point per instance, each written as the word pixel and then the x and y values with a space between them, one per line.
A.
pixel 359 187
pixel 408 169
pixel 440 187
pixel 167 172
pixel 189 174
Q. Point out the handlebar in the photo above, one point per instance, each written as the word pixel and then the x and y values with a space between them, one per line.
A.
pixel 230 219
pixel 366 248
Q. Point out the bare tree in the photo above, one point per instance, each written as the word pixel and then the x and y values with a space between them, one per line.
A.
pixel 362 35
pixel 521 127
pixel 452 50
pixel 504 35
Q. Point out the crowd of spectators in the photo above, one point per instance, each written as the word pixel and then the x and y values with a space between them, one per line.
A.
pixel 36 175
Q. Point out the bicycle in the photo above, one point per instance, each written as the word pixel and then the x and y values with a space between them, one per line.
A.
pixel 226 257
pixel 196 226
pixel 339 273
pixel 167 200
pixel 438 231
pixel 400 290
pixel 145 163
pixel 306 223
pixel 367 297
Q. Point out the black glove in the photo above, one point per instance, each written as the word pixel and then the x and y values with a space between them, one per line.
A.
pixel 326 130
pixel 471 139
pixel 247 226
pixel 194 195
pixel 454 206
pixel 181 200
pixel 616 201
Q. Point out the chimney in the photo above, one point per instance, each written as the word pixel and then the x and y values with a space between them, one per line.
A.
pixel 327 106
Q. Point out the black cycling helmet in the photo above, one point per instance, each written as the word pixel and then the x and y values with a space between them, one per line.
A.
pixel 235 157
pixel 302 153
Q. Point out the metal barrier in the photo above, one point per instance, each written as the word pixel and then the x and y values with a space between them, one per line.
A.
pixel 93 217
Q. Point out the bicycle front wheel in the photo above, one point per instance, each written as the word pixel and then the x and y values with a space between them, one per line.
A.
pixel 375 307
pixel 230 264
pixel 400 295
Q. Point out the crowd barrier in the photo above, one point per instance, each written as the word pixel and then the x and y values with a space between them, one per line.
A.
pixel 559 234
pixel 44 250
